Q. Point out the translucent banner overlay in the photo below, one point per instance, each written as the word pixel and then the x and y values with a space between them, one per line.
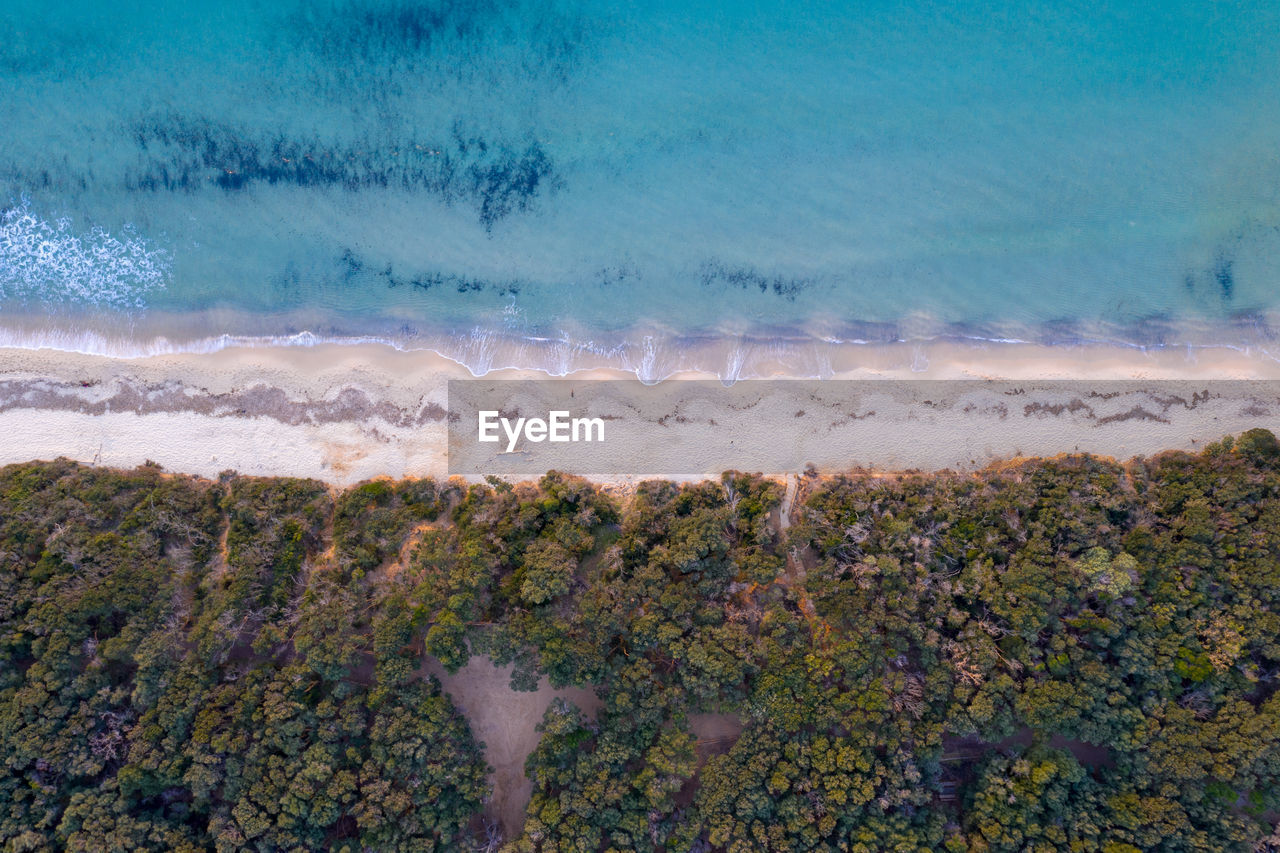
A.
pixel 523 428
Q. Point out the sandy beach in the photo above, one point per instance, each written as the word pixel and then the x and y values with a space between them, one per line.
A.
pixel 347 413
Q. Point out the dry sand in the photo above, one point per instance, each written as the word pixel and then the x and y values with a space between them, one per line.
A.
pixel 347 413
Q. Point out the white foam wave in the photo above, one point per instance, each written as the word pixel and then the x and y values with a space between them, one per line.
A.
pixel 52 263
pixel 650 358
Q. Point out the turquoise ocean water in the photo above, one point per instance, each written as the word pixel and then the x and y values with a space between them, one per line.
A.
pixel 558 184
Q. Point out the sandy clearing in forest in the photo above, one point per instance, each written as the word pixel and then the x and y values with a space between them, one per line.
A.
pixel 715 731
pixel 505 721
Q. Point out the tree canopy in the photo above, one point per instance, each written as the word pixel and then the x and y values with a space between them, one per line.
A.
pixel 1066 654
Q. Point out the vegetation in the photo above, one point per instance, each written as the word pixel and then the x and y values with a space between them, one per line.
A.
pixel 1066 654
pixel 184 670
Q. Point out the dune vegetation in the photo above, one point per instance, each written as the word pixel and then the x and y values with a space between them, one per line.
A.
pixel 1067 654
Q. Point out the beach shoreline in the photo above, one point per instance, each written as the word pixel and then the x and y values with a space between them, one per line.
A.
pixel 345 413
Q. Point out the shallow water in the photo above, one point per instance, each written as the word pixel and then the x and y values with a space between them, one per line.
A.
pixel 521 180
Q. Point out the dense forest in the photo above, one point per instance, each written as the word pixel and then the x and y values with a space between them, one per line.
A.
pixel 1049 655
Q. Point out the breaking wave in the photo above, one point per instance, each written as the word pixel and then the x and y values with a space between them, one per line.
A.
pixel 651 356
pixel 52 263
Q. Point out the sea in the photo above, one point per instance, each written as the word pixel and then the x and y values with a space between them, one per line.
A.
pixel 655 186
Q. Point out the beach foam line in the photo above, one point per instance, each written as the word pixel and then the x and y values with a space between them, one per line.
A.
pixel 654 357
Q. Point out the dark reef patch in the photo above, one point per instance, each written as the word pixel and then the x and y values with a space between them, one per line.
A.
pixel 496 176
pixel 715 273
pixel 1219 277
pixel 617 274
pixel 453 39
pixel 1224 276
pixel 343 30
pixel 352 267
